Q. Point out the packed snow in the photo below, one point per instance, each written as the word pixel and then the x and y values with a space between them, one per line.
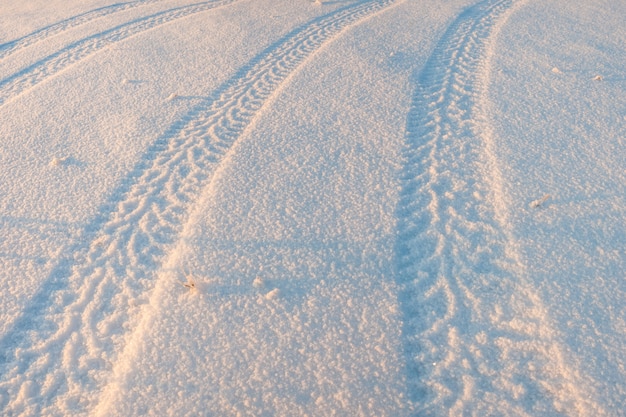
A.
pixel 312 208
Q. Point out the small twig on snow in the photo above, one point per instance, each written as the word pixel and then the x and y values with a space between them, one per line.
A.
pixel 190 284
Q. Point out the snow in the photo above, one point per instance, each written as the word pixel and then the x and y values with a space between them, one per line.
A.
pixel 295 207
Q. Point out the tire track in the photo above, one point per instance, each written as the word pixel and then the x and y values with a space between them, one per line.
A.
pixel 51 65
pixel 11 47
pixel 60 353
pixel 477 339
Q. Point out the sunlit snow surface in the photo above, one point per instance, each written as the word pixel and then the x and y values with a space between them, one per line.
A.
pixel 290 208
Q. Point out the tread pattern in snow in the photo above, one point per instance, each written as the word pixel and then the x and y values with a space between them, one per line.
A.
pixel 13 46
pixel 61 351
pixel 42 70
pixel 475 335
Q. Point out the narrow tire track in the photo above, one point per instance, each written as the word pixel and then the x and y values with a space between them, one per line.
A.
pixel 32 38
pixel 60 353
pixel 477 339
pixel 51 65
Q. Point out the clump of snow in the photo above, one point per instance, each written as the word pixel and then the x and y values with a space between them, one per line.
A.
pixel 273 294
pixel 56 161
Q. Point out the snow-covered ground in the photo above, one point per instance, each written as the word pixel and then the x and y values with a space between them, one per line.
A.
pixel 290 208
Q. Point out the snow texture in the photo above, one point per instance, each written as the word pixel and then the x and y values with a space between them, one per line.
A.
pixel 303 207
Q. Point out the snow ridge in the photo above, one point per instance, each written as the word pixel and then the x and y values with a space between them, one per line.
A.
pixel 58 356
pixel 13 46
pixel 456 266
pixel 51 65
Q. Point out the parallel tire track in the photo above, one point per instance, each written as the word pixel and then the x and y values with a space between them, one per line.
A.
pixel 477 340
pixel 51 65
pixel 61 351
pixel 11 47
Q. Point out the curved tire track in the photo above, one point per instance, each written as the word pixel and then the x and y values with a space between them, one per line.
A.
pixel 60 353
pixel 11 47
pixel 51 65
pixel 477 340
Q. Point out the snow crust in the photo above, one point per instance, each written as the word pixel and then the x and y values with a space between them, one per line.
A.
pixel 290 208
